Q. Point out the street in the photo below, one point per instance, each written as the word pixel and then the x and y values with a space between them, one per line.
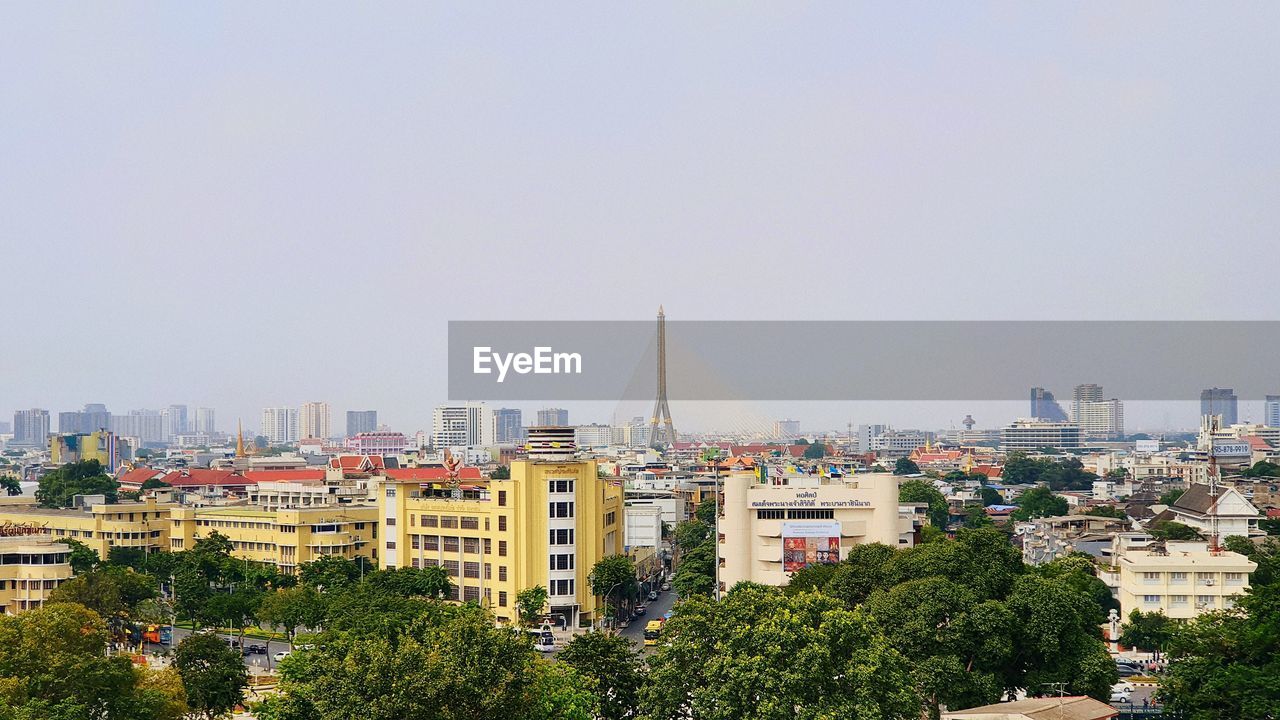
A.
pixel 260 663
pixel 656 609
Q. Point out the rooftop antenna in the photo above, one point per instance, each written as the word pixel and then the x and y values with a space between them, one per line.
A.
pixel 1214 547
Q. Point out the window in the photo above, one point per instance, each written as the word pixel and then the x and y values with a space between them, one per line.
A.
pixel 502 523
pixel 488 546
pixel 1204 578
pixel 502 502
pixel 502 573
pixel 488 571
pixel 412 517
pixel 560 486
pixel 502 598
pixel 1233 578
pixel 561 509
pixel 471 569
pixel 561 587
pixel 391 521
pixel 1177 578
pixel 1150 578
pixel 430 521
pixel 610 517
pixel 561 536
pixel 562 561
pixel 471 594
pixel 502 548
pixel 448 521
pixel 811 514
pixel 1150 599
pixel 770 514
pixel 451 544
pixel 470 522
pixel 1177 600
pixel 1206 601
pixel 391 544
pixel 451 567
pixel 431 542
pixel 471 545
pixel 416 541
pixel 391 491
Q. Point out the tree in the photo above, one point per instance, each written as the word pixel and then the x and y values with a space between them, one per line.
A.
pixel 154 483
pixel 160 694
pixel 696 573
pixel 1108 511
pixel 1039 502
pixel 1058 639
pixel 1262 468
pixel 531 601
pixel 10 485
pixel 85 477
pixel 977 517
pixel 905 466
pixel 1147 631
pixel 82 558
pixel 816 451
pixel 53 664
pixel 291 608
pixel 762 654
pixel 614 666
pixel 1224 664
pixel 329 572
pixel 1171 496
pixel 112 593
pixel 213 674
pixel 130 557
pixel 432 582
pixel 990 496
pixel 614 576
pixel 237 609
pixel 922 491
pixel 502 472
pixel 1266 554
pixel 1170 530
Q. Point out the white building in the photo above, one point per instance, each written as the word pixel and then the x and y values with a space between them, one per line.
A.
pixel 280 425
pixel 1179 579
pixel 593 436
pixel 772 529
pixel 786 429
pixel 1222 510
pixel 1102 419
pixel 1030 435
pixel 643 526
pixel 313 420
pixel 469 424
pixel 205 421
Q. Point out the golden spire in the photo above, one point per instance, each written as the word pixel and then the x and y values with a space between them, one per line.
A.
pixel 239 439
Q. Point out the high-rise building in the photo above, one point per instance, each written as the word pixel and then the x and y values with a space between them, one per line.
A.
pixel 1031 434
pixel 205 424
pixel 280 425
pixel 31 427
pixel 1045 407
pixel 867 435
pixel 361 421
pixel 1271 411
pixel 1086 393
pixel 469 424
pixel 313 420
pixel 553 417
pixel 145 425
pixel 98 445
pixel 510 425
pixel 786 429
pixel 92 418
pixel 1101 419
pixel 1219 401
pixel 175 422
pixel 593 436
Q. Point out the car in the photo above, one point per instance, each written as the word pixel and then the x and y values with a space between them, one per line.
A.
pixel 641 608
pixel 255 650
pixel 304 646
pixel 1127 668
pixel 1121 692
pixel 282 655
pixel 653 594
pixel 666 586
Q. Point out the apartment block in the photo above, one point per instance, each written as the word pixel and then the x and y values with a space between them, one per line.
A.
pixel 285 538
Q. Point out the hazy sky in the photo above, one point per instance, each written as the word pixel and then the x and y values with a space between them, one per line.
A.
pixel 248 204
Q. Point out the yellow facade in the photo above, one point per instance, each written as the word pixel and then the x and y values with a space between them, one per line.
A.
pixel 101 527
pixel 548 525
pixel 98 445
pixel 285 538
pixel 31 566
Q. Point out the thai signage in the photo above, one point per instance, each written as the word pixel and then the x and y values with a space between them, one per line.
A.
pixel 809 543
pixel 807 499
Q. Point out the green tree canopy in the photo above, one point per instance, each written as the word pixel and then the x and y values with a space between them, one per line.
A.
pixel 613 577
pixel 531 601
pixel 905 466
pixel 1147 631
pixel 1109 511
pixel 614 667
pixel 1039 502
pixel 923 491
pixel 816 451
pixel 1171 496
pixel 1170 530
pixel 86 477
pixel 1262 468
pixel 213 674
pixel 329 572
pixel 291 608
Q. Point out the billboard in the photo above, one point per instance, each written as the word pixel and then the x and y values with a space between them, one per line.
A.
pixel 1146 446
pixel 809 543
pixel 1232 449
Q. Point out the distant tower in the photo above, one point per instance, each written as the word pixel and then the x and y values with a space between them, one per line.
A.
pixel 239 439
pixel 968 423
pixel 660 409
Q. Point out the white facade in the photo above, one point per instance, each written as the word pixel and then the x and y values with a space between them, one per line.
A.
pixel 1029 435
pixel 313 420
pixel 1271 411
pixel 1180 579
pixel 280 425
pixel 593 436
pixel 643 526
pixel 205 421
pixel 465 425
pixel 1102 419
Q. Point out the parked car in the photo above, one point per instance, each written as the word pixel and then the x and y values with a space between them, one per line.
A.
pixel 1126 668
pixel 304 646
pixel 282 655
pixel 640 609
pixel 1121 692
pixel 653 594
pixel 255 650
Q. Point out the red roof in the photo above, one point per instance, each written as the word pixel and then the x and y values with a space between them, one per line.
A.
pixel 285 475
pixel 137 476
pixel 197 477
pixel 1257 443
pixel 357 463
pixel 431 473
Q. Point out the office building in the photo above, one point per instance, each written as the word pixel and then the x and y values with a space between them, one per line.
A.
pixel 100 526
pixel 1100 419
pixel 93 417
pixel 509 426
pixel 1271 411
pixel 868 433
pixel 361 421
pixel 899 443
pixel 205 423
pixel 593 436
pixel 774 527
pixel 285 538
pixel 1086 393
pixel 280 425
pixel 33 564
pixel 30 427
pixel 1045 407
pixel 145 425
pixel 548 525
pixel 100 445
pixel 1220 401
pixel 469 424
pixel 786 429
pixel 1030 435
pixel 174 422
pixel 1180 579
pixel 381 442
pixel 553 417
pixel 313 420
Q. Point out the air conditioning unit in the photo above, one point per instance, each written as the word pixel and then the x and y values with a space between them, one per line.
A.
pixel 1208 582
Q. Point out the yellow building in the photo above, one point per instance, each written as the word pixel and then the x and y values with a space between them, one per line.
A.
pixel 1180 579
pixel 101 527
pixel 547 525
pixel 31 566
pixel 98 445
pixel 285 538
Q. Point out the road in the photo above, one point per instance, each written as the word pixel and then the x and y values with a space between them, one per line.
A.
pixel 635 632
pixel 253 662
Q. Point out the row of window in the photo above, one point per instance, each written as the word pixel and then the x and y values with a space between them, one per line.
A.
pixel 1202 601
pixel 560 486
pixel 1176 578
pixel 561 587
pixel 33 559
pixel 560 509
pixel 468 569
pixel 451 522
pixel 29 584
pixel 453 543
pixel 795 514
pixel 562 561
pixel 561 536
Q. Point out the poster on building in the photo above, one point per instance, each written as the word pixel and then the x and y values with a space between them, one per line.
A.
pixel 809 543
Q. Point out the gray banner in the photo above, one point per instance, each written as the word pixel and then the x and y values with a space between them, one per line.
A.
pixel 865 360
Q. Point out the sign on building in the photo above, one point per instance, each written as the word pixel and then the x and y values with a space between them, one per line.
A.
pixel 809 543
pixel 1146 446
pixel 1232 449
